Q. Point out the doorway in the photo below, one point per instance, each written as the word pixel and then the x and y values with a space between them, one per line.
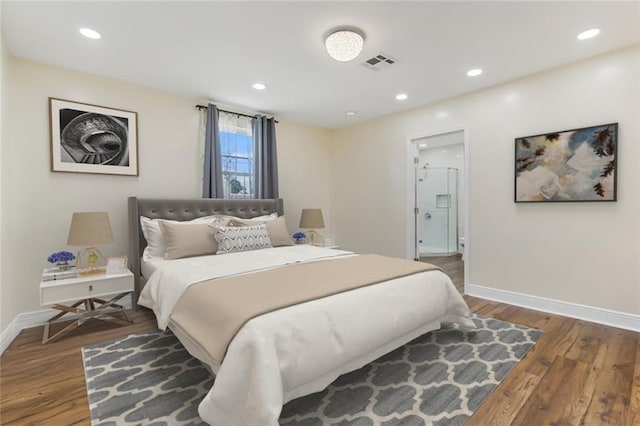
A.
pixel 439 213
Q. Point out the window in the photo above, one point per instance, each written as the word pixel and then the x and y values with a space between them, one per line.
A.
pixel 236 148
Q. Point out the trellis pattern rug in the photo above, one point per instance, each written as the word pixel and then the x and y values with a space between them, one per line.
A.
pixel 440 378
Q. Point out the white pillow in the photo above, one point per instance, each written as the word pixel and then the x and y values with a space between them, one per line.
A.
pixel 156 244
pixel 264 218
pixel 232 239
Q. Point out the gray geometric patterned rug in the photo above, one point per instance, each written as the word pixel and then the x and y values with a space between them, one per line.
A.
pixel 440 378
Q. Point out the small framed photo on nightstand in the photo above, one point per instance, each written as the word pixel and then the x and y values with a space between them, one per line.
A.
pixel 117 265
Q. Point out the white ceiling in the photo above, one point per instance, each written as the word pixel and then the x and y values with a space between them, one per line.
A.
pixel 217 50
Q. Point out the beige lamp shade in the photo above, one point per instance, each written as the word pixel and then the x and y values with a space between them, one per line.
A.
pixel 311 219
pixel 90 229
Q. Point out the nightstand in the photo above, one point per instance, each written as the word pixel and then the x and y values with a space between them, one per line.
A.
pixel 89 296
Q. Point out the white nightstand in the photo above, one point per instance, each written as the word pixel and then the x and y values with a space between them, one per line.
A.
pixel 86 292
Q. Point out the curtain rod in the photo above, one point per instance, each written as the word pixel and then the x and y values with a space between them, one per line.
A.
pixel 231 112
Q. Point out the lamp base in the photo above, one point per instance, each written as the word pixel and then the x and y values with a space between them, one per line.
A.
pixel 315 239
pixel 92 271
pixel 90 261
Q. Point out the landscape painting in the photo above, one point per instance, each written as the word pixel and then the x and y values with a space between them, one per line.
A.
pixel 571 165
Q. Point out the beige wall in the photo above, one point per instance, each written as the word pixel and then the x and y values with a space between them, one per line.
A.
pixel 38 203
pixel 304 168
pixel 585 253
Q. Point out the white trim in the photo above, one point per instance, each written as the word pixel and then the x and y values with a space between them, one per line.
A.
pixel 604 316
pixel 34 319
pixel 20 322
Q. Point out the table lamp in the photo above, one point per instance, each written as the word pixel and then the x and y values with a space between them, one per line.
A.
pixel 90 229
pixel 312 219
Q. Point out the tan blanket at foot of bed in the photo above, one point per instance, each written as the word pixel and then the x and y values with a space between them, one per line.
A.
pixel 212 312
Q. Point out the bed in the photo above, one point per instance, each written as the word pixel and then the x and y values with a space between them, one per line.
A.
pixel 290 352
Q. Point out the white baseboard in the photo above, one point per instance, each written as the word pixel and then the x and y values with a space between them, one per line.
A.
pixel 574 310
pixel 35 319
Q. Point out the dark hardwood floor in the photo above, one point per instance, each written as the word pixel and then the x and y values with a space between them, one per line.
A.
pixel 579 373
pixel 452 266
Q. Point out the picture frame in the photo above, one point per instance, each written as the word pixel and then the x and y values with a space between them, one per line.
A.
pixel 117 264
pixel 575 165
pixel 88 138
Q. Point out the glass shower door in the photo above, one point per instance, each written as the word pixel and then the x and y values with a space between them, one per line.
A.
pixel 436 199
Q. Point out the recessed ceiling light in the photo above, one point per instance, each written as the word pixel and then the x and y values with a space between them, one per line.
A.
pixel 423 145
pixel 259 86
pixel 443 150
pixel 474 72
pixel 350 113
pixel 89 33
pixel 588 34
pixel 401 96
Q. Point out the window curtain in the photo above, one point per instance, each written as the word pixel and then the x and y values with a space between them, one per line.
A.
pixel 266 161
pixel 212 178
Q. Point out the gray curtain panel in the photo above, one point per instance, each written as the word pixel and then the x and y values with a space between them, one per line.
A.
pixel 266 160
pixel 212 181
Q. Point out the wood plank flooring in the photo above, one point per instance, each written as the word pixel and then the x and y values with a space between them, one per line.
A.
pixel 579 373
pixel 452 266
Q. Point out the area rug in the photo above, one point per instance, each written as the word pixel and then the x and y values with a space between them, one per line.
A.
pixel 440 378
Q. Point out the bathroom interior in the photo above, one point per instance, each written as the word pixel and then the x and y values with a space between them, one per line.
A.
pixel 440 195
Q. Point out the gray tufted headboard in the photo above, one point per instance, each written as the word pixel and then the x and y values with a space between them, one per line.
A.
pixel 186 209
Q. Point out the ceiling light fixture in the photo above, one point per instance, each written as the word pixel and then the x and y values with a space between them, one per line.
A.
pixel 588 34
pixel 344 45
pixel 401 96
pixel 89 33
pixel 474 72
pixel 350 113
pixel 259 86
pixel 423 145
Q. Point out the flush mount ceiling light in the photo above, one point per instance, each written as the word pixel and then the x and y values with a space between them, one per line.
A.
pixel 474 72
pixel 588 34
pixel 259 86
pixel 401 96
pixel 89 33
pixel 350 113
pixel 344 45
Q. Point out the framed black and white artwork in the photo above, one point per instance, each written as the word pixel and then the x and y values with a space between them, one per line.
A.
pixel 89 138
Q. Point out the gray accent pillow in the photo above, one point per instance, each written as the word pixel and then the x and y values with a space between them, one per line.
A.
pixel 233 239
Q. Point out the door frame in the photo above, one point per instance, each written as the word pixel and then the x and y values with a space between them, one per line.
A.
pixel 410 191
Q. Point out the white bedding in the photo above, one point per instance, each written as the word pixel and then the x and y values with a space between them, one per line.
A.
pixel 299 350
pixel 171 277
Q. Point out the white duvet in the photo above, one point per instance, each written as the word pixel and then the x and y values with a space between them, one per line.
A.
pixel 299 350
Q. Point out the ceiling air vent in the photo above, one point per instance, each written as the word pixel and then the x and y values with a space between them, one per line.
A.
pixel 379 62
